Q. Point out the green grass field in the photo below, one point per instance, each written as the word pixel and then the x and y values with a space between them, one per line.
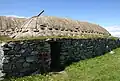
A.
pixel 102 68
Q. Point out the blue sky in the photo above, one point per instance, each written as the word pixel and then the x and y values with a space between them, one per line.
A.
pixel 103 12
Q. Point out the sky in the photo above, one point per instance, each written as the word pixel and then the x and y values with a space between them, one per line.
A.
pixel 103 12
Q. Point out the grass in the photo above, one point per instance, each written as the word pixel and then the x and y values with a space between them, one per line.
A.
pixel 102 68
pixel 7 39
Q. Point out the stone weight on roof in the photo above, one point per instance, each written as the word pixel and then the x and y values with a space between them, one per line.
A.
pixel 54 26
pixel 47 26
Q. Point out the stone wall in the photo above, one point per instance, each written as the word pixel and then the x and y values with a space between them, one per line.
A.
pixel 76 50
pixel 1 62
pixel 26 57
pixel 21 58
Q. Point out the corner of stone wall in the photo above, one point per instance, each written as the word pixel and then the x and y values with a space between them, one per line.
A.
pixel 2 58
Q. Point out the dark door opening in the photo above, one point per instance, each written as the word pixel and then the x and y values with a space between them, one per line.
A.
pixel 55 56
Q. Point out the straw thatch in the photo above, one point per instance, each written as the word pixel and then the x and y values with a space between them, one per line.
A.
pixel 9 24
pixel 53 26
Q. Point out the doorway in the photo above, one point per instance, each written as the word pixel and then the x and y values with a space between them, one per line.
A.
pixel 55 56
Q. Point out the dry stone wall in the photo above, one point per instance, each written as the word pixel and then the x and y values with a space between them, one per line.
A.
pixel 76 50
pixel 1 62
pixel 21 58
pixel 26 57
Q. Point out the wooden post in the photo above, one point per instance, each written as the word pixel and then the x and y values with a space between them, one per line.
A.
pixel 37 18
pixel 40 13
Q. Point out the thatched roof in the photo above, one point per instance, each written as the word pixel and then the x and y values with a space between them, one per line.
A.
pixel 54 26
pixel 9 24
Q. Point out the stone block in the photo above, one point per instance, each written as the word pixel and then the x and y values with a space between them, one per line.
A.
pixel 25 64
pixel 31 58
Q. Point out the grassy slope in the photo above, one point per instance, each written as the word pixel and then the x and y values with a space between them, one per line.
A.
pixel 102 68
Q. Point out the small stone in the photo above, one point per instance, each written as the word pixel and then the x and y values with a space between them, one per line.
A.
pixel 24 70
pixel 31 58
pixel 6 66
pixel 17 48
pixel 22 42
pixel 11 45
pixel 34 52
pixel 5 61
pixel 2 78
pixel 17 55
pixel 21 75
pixel 112 52
pixel 1 66
pixel 5 49
pixel 12 52
pixel 81 44
pixel 19 65
pixel 21 60
pixel 36 72
pixel 25 64
pixel 106 46
pixel 48 39
pixel 62 57
pixel 22 50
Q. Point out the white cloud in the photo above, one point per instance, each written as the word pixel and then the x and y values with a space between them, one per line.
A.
pixel 114 30
pixel 16 16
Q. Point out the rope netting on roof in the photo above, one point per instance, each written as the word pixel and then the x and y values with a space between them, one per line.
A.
pixel 49 25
